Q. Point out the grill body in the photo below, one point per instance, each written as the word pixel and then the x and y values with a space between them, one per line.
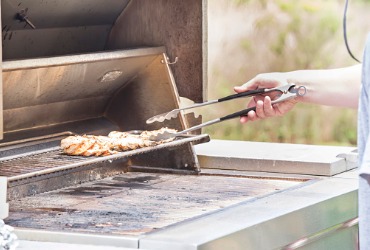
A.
pixel 91 67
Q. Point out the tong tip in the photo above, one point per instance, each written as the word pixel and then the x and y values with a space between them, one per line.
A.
pixel 163 117
pixel 165 135
pixel 155 119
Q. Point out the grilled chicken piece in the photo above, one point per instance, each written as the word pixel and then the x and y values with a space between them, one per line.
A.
pixel 148 134
pixel 90 145
pixel 87 145
pixel 130 143
pixel 117 134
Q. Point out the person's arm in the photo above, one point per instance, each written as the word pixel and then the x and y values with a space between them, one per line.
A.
pixel 332 87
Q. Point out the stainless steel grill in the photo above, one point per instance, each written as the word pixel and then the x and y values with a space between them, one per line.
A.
pixel 92 67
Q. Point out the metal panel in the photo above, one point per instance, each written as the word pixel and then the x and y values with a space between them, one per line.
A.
pixel 56 180
pixel 45 114
pixel 62 26
pixel 74 27
pixel 62 13
pixel 268 223
pixel 54 42
pixel 279 158
pixel 343 236
pixel 151 92
pixel 45 91
pixel 37 245
pixel 346 239
pixel 178 25
pixel 21 141
pixel 77 238
pixel 4 207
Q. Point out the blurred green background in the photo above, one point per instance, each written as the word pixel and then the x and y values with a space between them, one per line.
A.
pixel 248 37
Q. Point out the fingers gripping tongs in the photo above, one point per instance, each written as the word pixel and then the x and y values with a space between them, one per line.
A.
pixel 284 93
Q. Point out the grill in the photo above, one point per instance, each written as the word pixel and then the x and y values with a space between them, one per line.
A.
pixel 91 67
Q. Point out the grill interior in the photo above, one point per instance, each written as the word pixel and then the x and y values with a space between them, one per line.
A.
pixel 138 203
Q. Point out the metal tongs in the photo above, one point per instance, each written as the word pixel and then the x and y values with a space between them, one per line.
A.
pixel 286 92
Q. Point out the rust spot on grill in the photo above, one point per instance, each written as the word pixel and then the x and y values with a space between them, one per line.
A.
pixel 117 183
pixel 133 185
pixel 87 191
pixel 56 209
pixel 144 179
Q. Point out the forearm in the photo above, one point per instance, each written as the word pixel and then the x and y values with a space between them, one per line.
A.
pixel 332 87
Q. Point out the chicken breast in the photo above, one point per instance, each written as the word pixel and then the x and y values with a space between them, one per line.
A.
pixel 90 145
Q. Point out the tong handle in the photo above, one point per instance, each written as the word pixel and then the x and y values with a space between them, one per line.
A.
pixel 237 114
pixel 301 91
pixel 243 94
pixel 230 116
pixel 226 98
pixel 224 118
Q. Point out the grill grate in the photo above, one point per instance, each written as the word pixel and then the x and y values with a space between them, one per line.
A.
pixel 37 162
pixel 53 160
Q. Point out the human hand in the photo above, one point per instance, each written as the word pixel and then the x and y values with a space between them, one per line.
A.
pixel 263 103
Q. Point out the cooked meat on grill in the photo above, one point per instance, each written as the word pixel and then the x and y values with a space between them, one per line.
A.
pixel 87 145
pixel 90 145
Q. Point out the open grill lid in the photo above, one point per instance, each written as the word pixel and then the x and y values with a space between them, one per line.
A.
pixel 122 86
pixel 70 48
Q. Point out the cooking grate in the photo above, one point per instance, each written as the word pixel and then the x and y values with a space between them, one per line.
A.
pixel 37 162
pixel 53 160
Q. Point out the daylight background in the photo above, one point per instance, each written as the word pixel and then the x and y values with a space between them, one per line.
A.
pixel 248 37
